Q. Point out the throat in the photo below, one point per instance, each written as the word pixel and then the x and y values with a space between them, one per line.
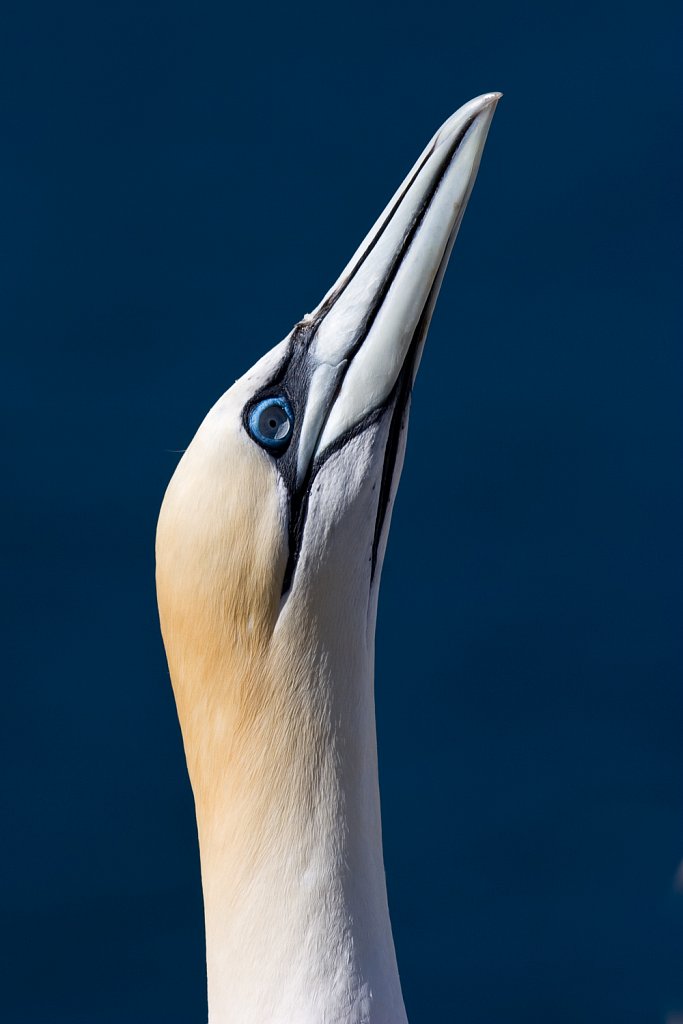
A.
pixel 297 922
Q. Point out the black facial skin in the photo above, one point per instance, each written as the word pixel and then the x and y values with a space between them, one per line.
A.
pixel 292 381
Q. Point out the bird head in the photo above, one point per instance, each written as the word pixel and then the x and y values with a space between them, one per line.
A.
pixel 273 528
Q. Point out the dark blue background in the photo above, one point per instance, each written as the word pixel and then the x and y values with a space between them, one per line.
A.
pixel 180 184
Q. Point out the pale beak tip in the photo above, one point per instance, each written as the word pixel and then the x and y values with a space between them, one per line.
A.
pixel 484 104
pixel 487 99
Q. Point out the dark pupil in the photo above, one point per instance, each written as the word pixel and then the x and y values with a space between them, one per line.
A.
pixel 274 423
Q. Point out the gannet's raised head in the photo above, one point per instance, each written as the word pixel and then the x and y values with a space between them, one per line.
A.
pixel 269 551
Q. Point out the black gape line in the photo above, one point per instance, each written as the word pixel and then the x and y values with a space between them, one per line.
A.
pixel 293 377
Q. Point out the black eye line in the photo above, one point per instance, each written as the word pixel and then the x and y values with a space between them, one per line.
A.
pixel 401 391
pixel 294 362
pixel 298 500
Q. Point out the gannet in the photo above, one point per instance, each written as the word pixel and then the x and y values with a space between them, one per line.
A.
pixel 270 545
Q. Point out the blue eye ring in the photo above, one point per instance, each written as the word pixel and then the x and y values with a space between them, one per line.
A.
pixel 272 432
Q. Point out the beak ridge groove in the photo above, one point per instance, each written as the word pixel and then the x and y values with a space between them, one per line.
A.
pixel 368 320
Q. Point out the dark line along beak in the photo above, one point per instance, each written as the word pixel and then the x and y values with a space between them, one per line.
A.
pixel 366 324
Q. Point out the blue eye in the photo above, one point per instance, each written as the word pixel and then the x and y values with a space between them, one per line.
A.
pixel 271 423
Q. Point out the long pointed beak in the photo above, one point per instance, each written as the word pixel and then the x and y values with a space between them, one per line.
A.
pixel 372 324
